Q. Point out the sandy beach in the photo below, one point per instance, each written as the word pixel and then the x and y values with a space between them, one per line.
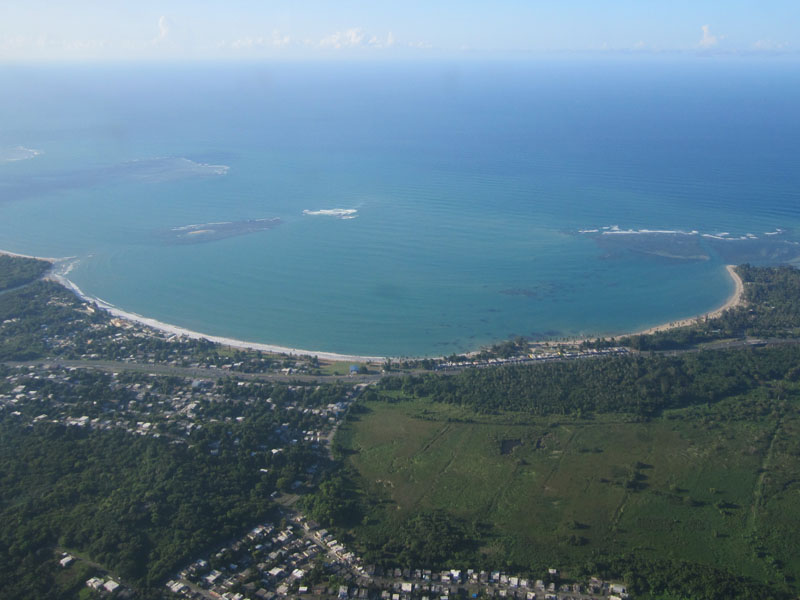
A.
pixel 64 265
pixel 59 275
pixel 47 259
pixel 735 300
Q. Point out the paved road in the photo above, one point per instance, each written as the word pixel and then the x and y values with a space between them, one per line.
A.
pixel 216 373
pixel 727 345
pixel 194 372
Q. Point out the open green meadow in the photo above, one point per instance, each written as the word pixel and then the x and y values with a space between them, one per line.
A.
pixel 713 485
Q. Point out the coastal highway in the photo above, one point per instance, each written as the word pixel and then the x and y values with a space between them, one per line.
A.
pixel 216 373
pixel 727 345
pixel 190 372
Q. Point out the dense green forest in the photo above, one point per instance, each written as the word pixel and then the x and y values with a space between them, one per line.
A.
pixel 35 316
pixel 637 385
pixel 16 270
pixel 137 505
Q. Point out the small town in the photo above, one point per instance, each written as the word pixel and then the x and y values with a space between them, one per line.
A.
pixel 271 563
pixel 294 559
pixel 153 405
pixel 365 300
pixel 539 353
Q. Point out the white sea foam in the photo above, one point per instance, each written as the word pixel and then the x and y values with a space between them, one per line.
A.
pixel 164 168
pixel 203 225
pixel 341 213
pixel 17 153
pixel 634 232
pixel 206 168
pixel 617 231
pixel 721 235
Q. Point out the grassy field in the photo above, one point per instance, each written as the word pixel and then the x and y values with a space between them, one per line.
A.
pixel 712 485
pixel 328 367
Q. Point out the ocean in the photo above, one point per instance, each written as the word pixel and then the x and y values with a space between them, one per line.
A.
pixel 404 209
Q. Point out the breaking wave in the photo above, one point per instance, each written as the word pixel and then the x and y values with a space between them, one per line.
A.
pixel 719 235
pixel 17 153
pixel 168 168
pixel 339 213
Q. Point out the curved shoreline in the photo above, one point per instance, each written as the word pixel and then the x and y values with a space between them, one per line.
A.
pixel 734 300
pixel 59 276
pixel 196 335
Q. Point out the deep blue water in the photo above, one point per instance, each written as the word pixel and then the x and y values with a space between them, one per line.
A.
pixel 471 183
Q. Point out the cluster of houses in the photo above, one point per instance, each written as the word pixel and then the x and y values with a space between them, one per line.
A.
pixel 269 562
pixel 542 355
pixel 142 407
pixel 103 584
pixel 300 560
pixel 92 333
pixel 425 584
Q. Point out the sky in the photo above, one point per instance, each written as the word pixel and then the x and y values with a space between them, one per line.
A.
pixel 112 30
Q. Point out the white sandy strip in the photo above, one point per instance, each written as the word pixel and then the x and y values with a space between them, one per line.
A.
pixel 50 260
pixel 180 331
pixel 735 300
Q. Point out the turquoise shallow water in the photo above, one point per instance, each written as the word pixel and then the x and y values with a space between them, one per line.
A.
pixel 471 184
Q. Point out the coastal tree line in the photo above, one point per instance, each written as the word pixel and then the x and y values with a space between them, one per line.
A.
pixel 17 270
pixel 636 385
pixel 771 308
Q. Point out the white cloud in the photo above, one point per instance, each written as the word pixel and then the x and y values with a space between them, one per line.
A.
pixel 163 31
pixel 44 44
pixel 279 40
pixel 708 40
pixel 85 44
pixel 247 42
pixel 14 42
pixel 356 38
pixel 377 42
pixel 344 39
pixel 163 28
pixel 770 45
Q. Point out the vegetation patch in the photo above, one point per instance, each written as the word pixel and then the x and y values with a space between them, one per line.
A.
pixel 16 270
pixel 687 487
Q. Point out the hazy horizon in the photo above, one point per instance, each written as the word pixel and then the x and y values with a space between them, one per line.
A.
pixel 357 29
